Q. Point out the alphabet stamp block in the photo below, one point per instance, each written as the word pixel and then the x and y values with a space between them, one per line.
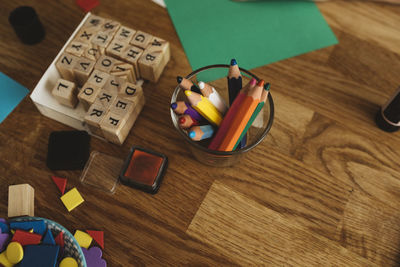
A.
pixel 114 84
pixel 98 78
pixel 101 40
pixel 132 55
pixel 105 63
pixel 76 48
pixel 94 21
pixel 66 93
pixel 88 94
pixel 155 57
pixel 130 91
pixel 82 70
pixel 141 39
pixel 65 66
pixel 105 98
pixel 116 49
pixel 124 34
pixel 110 27
pixel 92 53
pixel 93 117
pixel 124 70
pixel 85 35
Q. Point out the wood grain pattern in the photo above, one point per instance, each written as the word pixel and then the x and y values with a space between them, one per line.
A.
pixel 322 189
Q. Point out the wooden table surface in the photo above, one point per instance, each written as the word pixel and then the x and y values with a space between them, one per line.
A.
pixel 322 189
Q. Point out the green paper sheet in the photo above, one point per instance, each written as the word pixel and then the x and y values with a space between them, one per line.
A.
pixel 255 33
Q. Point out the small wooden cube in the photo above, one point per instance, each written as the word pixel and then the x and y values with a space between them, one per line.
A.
pixel 131 55
pixel 122 106
pixel 94 21
pixel 113 127
pixel 94 116
pixel 114 84
pixel 141 39
pixel 76 48
pixel 105 98
pixel 154 59
pixel 82 70
pixel 110 27
pixel 85 35
pixel 65 66
pixel 124 34
pixel 116 49
pixel 65 92
pixel 21 200
pixel 101 40
pixel 124 70
pixel 130 91
pixel 92 53
pixel 98 78
pixel 88 95
pixel 105 63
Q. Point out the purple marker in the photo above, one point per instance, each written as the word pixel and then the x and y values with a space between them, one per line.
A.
pixel 182 107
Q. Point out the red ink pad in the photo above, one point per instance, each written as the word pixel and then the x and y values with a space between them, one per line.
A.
pixel 144 169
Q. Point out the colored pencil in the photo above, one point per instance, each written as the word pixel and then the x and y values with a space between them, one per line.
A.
pixel 185 121
pixel 198 133
pixel 229 116
pixel 186 84
pixel 182 107
pixel 260 106
pixel 203 106
pixel 234 85
pixel 242 116
pixel 212 95
pixel 234 81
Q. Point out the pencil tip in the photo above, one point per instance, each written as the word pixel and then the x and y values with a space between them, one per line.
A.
pixel 192 134
pixel 188 92
pixel 233 62
pixel 201 85
pixel 179 79
pixel 174 105
pixel 261 83
pixel 182 120
pixel 266 86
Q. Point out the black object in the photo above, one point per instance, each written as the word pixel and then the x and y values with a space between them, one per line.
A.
pixel 388 117
pixel 68 150
pixel 27 25
pixel 144 169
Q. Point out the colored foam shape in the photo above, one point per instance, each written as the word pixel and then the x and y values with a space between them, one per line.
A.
pixel 3 241
pixel 26 238
pixel 72 199
pixel 14 252
pixel 40 255
pixel 3 220
pixel 69 262
pixel 59 239
pixel 87 5
pixel 68 150
pixel 11 93
pixel 48 238
pixel 98 236
pixel 4 228
pixel 39 227
pixel 93 257
pixel 61 183
pixel 4 261
pixel 84 239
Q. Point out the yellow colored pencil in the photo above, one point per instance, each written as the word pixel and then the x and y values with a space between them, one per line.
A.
pixel 203 106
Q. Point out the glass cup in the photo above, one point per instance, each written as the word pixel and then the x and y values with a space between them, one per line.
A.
pixel 256 133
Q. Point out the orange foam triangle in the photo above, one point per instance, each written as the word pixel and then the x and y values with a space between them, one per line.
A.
pixel 98 236
pixel 61 183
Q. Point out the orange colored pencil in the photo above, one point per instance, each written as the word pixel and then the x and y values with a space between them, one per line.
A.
pixel 230 115
pixel 243 115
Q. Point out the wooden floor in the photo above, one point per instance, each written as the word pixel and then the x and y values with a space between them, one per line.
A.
pixel 323 189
